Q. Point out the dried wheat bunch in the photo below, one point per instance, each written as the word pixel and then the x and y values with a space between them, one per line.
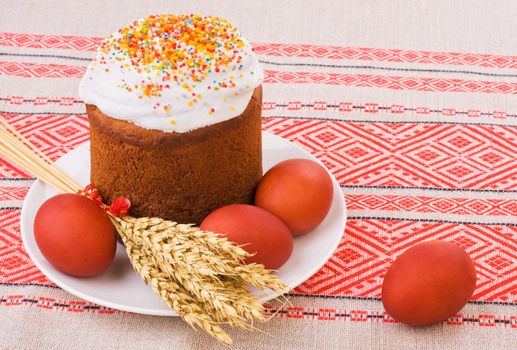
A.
pixel 186 265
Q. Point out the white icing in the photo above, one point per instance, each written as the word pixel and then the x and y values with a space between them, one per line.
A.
pixel 101 86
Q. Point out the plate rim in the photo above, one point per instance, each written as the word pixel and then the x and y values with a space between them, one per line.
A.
pixel 169 312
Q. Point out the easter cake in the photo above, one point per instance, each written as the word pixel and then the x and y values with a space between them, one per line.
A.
pixel 174 105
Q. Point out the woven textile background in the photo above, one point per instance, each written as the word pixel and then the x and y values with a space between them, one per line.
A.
pixel 411 105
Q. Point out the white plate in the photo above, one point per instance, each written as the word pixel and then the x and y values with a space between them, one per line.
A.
pixel 121 288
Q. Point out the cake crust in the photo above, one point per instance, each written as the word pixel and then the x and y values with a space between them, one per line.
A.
pixel 177 176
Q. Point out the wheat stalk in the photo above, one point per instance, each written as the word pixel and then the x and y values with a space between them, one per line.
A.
pixel 219 283
pixel 199 274
pixel 173 294
pixel 217 315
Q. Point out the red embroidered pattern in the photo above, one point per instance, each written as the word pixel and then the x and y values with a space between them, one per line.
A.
pixel 358 265
pixel 40 101
pixel 391 82
pixel 424 204
pixel 385 55
pixel 378 108
pixel 369 246
pixel 35 70
pixel 408 154
pixel 369 154
pixel 318 314
pixel 329 106
pixel 84 43
pixel 13 193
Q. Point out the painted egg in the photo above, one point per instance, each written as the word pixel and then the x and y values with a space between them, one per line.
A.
pixel 298 191
pixel 75 235
pixel 258 231
pixel 428 283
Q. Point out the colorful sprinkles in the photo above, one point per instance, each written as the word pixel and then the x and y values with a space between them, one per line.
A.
pixel 181 50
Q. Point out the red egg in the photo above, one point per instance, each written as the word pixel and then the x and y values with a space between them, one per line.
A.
pixel 260 232
pixel 428 283
pixel 75 235
pixel 298 191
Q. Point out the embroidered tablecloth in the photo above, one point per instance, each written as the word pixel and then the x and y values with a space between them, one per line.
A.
pixel 411 105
